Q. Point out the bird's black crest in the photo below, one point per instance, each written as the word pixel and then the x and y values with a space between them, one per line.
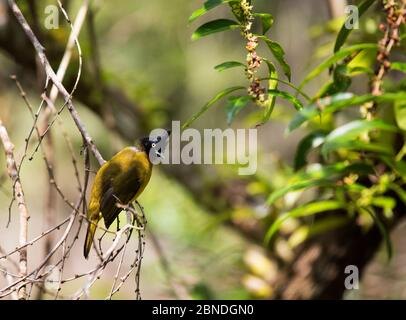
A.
pixel 156 143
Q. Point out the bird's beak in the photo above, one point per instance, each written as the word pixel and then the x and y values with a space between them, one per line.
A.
pixel 159 154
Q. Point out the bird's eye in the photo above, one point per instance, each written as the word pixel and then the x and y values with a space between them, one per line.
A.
pixel 153 145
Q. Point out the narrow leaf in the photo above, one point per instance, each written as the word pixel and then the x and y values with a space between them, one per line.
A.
pixel 300 185
pixel 289 84
pixel 345 31
pixel 279 55
pixel 209 104
pixel 400 114
pixel 266 20
pixel 339 55
pixel 399 66
pixel 319 176
pixel 213 27
pixel 315 108
pixel 359 145
pixel 360 69
pixel 311 141
pixel 382 228
pixel 399 191
pixel 398 166
pixel 343 136
pixel 228 65
pixel 338 102
pixel 234 105
pixel 207 6
pixel 303 211
pixel 272 85
pixel 286 95
pixel 317 227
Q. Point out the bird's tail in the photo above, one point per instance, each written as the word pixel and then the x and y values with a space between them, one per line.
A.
pixel 91 229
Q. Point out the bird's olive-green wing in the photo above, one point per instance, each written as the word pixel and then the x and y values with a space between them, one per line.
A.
pixel 118 189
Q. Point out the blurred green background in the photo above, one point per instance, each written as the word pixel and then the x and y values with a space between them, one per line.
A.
pixel 146 50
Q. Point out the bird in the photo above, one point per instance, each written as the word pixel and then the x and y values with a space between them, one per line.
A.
pixel 120 181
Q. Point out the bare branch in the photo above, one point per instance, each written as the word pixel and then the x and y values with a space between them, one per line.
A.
pixel 57 254
pixel 72 41
pixel 19 193
pixel 51 74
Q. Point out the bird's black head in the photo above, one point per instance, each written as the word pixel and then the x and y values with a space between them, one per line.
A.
pixel 154 146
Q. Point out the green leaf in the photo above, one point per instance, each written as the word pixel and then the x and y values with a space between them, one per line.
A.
pixel 354 187
pixel 339 55
pixel 337 102
pixel 207 106
pixel 286 95
pixel 228 65
pixel 315 108
pixel 398 166
pixel 400 114
pixel 382 228
pixel 234 105
pixel 360 69
pixel 303 211
pixel 300 185
pixel 289 84
pixel 213 27
pixel 279 54
pixel 266 20
pixel 386 203
pixel 207 6
pixel 272 85
pixel 345 135
pixel 317 227
pixel 344 31
pixel 311 141
pixel 399 66
pixel 359 145
pixel 317 175
pixel 334 171
pixel 399 191
pixel 342 79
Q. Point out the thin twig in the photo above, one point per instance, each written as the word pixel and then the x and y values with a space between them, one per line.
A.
pixel 51 74
pixel 19 193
